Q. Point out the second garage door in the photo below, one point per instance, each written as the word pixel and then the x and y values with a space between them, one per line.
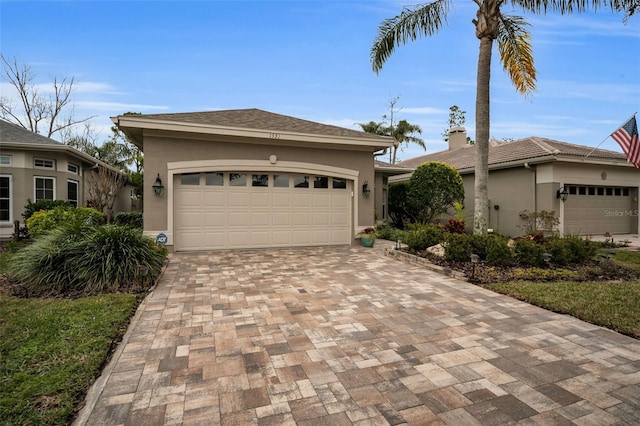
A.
pixel 593 210
pixel 221 210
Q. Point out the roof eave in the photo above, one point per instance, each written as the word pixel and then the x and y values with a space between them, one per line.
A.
pixel 128 123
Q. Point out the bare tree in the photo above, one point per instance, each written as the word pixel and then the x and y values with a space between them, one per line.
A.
pixel 35 111
pixel 103 186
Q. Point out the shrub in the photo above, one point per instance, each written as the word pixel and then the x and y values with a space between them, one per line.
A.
pixel 421 236
pixel 558 250
pixel 45 220
pixel 89 260
pixel 528 253
pixel 32 207
pixel 457 248
pixel 433 188
pixel 579 249
pixel 399 210
pixel 498 251
pixel 478 243
pixel 132 219
pixel 388 232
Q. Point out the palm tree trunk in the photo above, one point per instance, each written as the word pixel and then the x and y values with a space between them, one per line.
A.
pixel 481 197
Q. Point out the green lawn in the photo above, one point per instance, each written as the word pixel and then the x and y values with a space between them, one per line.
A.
pixel 614 305
pixel 51 350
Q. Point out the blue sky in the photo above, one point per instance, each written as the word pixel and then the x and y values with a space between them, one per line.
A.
pixel 310 59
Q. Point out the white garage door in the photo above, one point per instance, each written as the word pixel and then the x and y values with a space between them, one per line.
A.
pixel 224 210
pixel 593 210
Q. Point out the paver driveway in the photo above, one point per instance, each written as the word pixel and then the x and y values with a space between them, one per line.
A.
pixel 344 335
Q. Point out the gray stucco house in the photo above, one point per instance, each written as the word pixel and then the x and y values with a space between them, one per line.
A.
pixel 250 178
pixel 34 167
pixel 591 195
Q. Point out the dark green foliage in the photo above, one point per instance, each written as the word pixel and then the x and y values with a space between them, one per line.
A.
pixel 399 209
pixel 89 260
pixel 132 219
pixel 32 207
pixel 579 249
pixel 478 243
pixel 558 250
pixel 457 248
pixel 433 188
pixel 44 221
pixel 419 237
pixel 498 251
pixel 388 232
pixel 528 253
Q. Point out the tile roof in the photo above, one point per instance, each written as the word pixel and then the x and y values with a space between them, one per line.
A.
pixel 10 132
pixel 254 118
pixel 530 148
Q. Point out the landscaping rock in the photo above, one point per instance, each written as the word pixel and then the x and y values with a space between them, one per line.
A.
pixel 436 250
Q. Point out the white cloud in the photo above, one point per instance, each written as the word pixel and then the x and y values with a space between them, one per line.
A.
pixel 422 110
pixel 118 106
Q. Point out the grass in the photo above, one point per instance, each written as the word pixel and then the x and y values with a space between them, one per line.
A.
pixel 610 304
pixel 51 350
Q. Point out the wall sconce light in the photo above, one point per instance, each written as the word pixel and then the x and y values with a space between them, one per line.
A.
pixel 365 189
pixel 158 187
pixel 562 193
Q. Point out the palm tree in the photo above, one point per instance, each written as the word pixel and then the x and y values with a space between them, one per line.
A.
pixel 515 55
pixel 403 133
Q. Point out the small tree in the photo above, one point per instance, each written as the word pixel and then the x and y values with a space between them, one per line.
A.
pixel 456 118
pixel 399 209
pixel 433 188
pixel 103 187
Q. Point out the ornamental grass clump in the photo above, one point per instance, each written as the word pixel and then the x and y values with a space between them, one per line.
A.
pixel 89 260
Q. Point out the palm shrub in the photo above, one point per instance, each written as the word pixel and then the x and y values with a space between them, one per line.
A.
pixel 133 219
pixel 89 260
pixel 44 221
pixel 419 237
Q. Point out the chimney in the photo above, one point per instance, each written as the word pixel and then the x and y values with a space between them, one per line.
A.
pixel 457 137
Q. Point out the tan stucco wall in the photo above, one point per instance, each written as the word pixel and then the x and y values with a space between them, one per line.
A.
pixel 22 174
pixel 160 150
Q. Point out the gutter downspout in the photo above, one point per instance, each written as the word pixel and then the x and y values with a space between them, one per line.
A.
pixel 534 169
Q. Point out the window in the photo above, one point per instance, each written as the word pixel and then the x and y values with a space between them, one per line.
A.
pixel 72 192
pixel 281 181
pixel 260 180
pixel 600 190
pixel 300 181
pixel 5 160
pixel 592 190
pixel 214 179
pixel 573 190
pixel 5 198
pixel 339 183
pixel 237 179
pixel 44 188
pixel 190 179
pixel 73 168
pixel 321 182
pixel 582 190
pixel 618 191
pixel 43 163
pixel 625 192
pixel 609 191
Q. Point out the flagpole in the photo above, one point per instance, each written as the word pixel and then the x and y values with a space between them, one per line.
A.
pixel 619 127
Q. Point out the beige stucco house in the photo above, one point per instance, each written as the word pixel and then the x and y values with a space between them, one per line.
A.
pixel 34 167
pixel 250 178
pixel 592 192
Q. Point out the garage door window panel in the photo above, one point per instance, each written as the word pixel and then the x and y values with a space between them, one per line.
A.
pixel 261 181
pixel 214 179
pixel 237 179
pixel 321 182
pixel 281 181
pixel 300 181
pixel 190 179
pixel 339 183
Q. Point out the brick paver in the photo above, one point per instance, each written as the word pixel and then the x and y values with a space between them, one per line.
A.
pixel 347 336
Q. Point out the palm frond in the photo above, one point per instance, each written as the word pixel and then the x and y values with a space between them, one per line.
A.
pixel 516 53
pixel 423 19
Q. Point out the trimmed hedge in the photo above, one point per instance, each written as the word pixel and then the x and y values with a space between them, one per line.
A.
pixel 419 237
pixel 44 221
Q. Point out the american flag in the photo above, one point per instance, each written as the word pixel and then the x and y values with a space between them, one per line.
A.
pixel 627 138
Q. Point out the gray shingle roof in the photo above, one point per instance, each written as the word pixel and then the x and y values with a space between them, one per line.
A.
pixel 263 120
pixel 10 132
pixel 529 148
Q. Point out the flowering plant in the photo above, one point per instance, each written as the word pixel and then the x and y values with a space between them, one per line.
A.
pixel 368 232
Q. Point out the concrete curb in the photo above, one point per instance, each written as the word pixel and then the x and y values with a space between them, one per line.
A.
pixel 421 261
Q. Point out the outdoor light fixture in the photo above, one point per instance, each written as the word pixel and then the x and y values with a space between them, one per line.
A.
pixel 474 261
pixel 547 257
pixel 399 244
pixel 365 189
pixel 158 187
pixel 562 193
